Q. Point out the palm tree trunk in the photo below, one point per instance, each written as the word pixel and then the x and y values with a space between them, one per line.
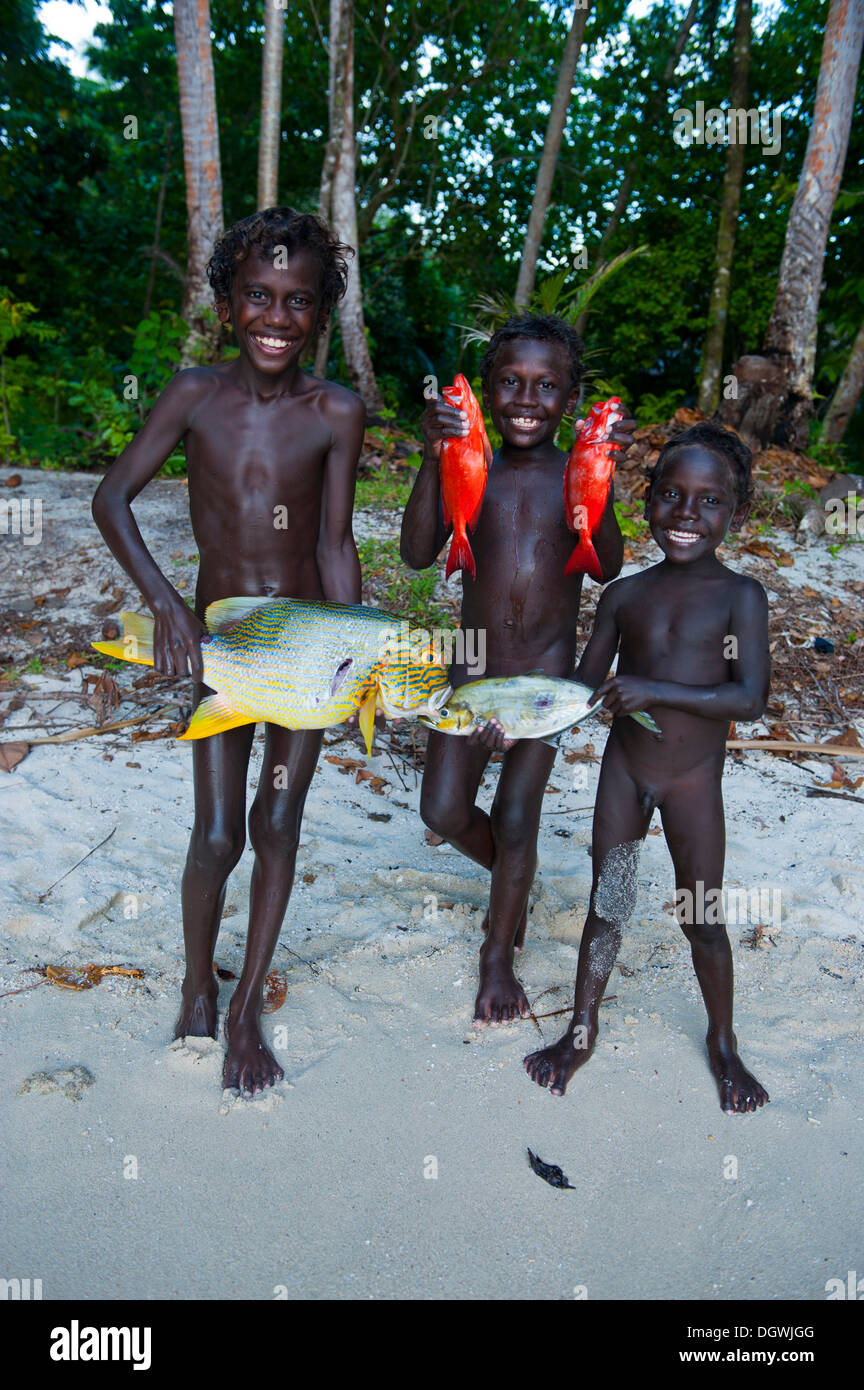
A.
pixel 344 222
pixel 157 227
pixel 779 405
pixel 712 352
pixel 271 105
pixel 338 47
pixel 203 175
pixel 549 157
pixel 847 393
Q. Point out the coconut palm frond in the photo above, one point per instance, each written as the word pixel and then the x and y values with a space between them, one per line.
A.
pixel 549 290
pixel 491 311
pixel 579 298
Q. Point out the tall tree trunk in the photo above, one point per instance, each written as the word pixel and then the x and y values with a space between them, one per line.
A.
pixel 652 107
pixel 344 222
pixel 777 399
pixel 712 352
pixel 201 162
pixel 157 227
pixel 271 104
pixel 549 157
pixel 847 393
pixel 337 52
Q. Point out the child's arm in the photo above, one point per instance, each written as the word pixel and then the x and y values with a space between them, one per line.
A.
pixel 177 633
pixel 602 645
pixel 608 542
pixel 336 551
pixel 743 697
pixel 423 529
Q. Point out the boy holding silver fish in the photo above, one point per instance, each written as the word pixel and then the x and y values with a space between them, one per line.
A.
pixel 528 609
pixel 692 642
pixel 272 455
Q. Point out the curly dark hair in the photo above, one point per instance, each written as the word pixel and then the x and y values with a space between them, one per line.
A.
pixel 717 440
pixel 276 227
pixel 540 328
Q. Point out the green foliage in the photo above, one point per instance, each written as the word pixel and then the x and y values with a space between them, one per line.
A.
pixel 631 521
pixel 397 589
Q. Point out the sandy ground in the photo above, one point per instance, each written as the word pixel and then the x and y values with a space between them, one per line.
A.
pixel 391 1162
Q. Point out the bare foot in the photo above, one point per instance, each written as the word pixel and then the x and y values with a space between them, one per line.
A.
pixel 739 1089
pixel 553 1066
pixel 500 998
pixel 250 1066
pixel 198 1015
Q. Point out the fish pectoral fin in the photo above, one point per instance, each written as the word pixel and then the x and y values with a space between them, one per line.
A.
pixel 646 721
pixel 213 716
pixel 226 611
pixel 366 718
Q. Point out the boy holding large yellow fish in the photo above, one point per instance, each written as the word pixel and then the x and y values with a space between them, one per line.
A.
pixel 272 455
pixel 520 545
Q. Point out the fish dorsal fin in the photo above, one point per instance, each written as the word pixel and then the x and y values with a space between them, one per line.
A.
pixel 226 611
pixel 538 671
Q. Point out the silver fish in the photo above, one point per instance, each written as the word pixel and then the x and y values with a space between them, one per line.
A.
pixel 532 706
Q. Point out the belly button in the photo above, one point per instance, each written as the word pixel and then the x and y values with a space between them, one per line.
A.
pixel 508 622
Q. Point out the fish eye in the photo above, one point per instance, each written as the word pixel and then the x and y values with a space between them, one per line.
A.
pixel 444 712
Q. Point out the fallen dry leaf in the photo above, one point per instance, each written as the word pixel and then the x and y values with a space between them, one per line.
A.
pixel 14 480
pixel 224 974
pixel 584 754
pixel 376 783
pixel 11 755
pixel 276 987
pixel 85 976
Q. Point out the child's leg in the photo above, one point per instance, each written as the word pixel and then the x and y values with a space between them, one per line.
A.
pixel 451 779
pixel 621 818
pixel 219 766
pixel 514 823
pixel 695 832
pixel 290 758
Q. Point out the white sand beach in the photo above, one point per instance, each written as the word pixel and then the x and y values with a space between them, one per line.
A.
pixel 391 1162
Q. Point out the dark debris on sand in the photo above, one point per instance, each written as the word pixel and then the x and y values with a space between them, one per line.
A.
pixel 549 1172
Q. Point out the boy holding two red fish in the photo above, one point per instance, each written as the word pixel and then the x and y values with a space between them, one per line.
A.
pixel 520 596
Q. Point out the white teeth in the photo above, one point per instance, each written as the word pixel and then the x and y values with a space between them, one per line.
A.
pixel 683 537
pixel 270 342
pixel 522 420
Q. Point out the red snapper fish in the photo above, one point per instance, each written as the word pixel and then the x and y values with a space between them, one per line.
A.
pixel 464 463
pixel 587 479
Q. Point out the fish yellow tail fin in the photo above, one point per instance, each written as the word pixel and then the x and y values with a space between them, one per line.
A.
pixel 135 642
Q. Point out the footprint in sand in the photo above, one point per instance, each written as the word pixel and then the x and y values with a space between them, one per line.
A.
pixel 71 1082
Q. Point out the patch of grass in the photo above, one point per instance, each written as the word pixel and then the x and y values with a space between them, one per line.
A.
pixel 397 589
pixel 382 490
pixel 34 666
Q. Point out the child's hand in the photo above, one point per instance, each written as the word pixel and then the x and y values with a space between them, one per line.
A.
pixel 626 694
pixel 492 736
pixel 620 433
pixel 177 637
pixel 441 421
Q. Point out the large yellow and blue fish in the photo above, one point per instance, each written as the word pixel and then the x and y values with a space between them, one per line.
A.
pixel 300 664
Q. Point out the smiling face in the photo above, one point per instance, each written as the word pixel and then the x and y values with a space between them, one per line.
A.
pixel 274 308
pixel 529 391
pixel 693 504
